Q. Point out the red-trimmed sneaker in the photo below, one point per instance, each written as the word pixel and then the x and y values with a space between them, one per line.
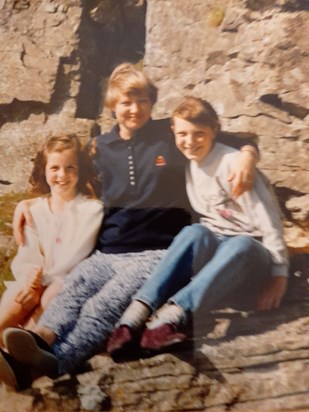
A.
pixel 121 340
pixel 165 335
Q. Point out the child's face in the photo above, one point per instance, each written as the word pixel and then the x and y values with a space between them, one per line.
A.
pixel 61 173
pixel 193 140
pixel 132 111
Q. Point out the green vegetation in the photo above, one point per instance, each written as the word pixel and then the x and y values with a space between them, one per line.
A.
pixel 216 16
pixel 8 203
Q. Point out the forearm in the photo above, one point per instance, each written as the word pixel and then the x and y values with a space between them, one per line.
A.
pixel 240 143
pixel 21 217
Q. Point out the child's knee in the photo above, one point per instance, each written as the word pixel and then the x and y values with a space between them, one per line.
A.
pixel 196 231
pixel 245 244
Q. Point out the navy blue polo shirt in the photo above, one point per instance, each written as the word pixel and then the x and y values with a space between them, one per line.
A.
pixel 142 185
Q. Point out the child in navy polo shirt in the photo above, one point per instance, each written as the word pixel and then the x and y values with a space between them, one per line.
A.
pixel 239 241
pixel 142 185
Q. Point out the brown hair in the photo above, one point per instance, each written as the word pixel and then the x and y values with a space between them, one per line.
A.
pixel 127 79
pixel 59 144
pixel 196 110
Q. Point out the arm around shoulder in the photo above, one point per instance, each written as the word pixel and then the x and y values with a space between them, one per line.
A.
pixel 21 217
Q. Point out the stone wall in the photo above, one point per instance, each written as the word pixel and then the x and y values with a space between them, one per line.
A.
pixel 250 60
pixel 55 57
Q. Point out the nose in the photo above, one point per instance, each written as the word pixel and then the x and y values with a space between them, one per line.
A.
pixel 62 172
pixel 189 140
pixel 134 107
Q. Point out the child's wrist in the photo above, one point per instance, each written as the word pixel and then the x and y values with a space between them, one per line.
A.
pixel 252 151
pixel 36 287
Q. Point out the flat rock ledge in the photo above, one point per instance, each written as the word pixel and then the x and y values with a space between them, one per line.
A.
pixel 238 360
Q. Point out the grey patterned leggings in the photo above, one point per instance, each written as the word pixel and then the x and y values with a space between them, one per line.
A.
pixel 94 296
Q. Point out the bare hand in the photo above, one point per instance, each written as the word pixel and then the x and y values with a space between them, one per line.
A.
pixel 35 279
pixel 29 297
pixel 21 217
pixel 272 295
pixel 243 173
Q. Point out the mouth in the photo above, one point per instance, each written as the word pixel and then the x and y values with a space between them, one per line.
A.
pixel 192 149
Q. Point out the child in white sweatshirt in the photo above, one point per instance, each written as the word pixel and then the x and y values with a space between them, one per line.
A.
pixel 237 240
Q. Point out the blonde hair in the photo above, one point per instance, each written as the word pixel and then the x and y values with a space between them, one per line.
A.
pixel 127 79
pixel 197 111
pixel 59 144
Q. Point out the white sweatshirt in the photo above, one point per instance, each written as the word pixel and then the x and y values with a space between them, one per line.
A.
pixel 254 213
pixel 57 242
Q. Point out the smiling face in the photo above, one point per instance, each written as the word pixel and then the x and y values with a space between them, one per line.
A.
pixel 132 111
pixel 193 140
pixel 61 173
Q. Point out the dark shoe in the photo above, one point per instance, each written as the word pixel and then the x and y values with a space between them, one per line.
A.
pixel 14 373
pixel 161 337
pixel 122 340
pixel 31 350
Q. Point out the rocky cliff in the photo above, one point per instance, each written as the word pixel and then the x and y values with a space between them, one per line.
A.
pixel 55 57
pixel 250 59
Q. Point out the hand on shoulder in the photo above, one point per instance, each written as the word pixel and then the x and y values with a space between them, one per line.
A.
pixel 21 217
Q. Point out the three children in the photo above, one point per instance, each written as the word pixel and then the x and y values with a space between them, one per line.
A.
pixel 142 184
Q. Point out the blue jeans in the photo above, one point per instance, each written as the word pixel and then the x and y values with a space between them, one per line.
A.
pixel 203 268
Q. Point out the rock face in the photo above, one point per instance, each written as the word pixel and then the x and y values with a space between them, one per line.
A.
pixel 250 60
pixel 237 360
pixel 55 57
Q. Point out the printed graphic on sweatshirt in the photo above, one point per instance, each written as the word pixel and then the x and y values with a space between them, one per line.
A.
pixel 220 206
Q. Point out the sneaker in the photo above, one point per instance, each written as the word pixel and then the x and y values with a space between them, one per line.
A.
pixel 31 350
pixel 121 340
pixel 168 313
pixel 165 335
pixel 13 373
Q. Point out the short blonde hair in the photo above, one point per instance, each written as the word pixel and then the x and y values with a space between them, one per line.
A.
pixel 197 111
pixel 127 79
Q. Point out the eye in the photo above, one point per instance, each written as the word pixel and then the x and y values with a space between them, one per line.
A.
pixel 71 168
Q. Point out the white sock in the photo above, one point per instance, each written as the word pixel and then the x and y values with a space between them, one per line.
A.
pixel 135 315
pixel 168 313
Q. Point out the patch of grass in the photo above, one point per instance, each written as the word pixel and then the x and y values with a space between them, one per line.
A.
pixel 140 64
pixel 5 262
pixel 8 203
pixel 216 16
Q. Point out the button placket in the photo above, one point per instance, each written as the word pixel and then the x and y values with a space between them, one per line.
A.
pixel 131 166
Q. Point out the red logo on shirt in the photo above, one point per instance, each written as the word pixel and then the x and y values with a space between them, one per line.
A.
pixel 160 161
